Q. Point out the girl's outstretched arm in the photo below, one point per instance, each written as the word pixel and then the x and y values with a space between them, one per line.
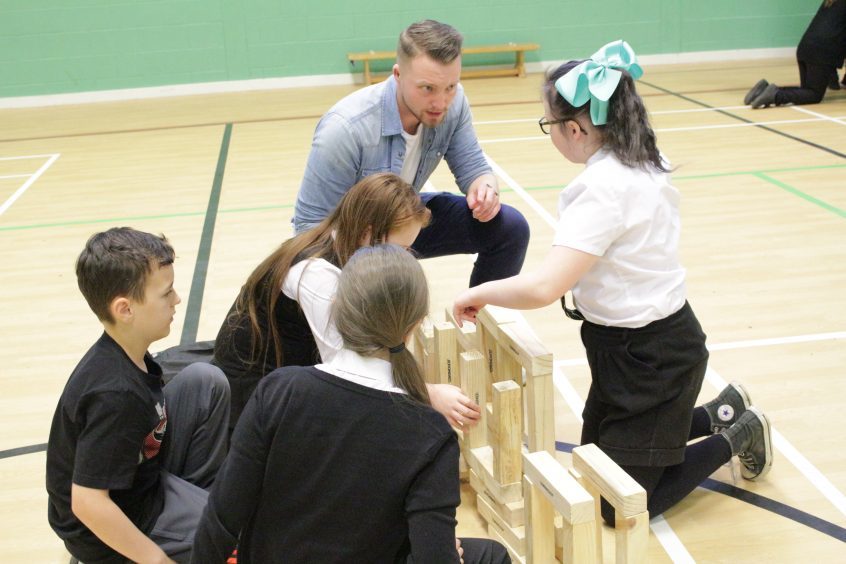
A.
pixel 558 273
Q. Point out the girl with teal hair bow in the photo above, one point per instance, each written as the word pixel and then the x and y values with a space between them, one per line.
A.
pixel 616 249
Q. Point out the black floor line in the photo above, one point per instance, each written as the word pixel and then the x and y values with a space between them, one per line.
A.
pixel 781 509
pixel 198 282
pixel 739 118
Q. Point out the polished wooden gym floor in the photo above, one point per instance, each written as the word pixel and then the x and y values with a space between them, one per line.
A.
pixel 763 239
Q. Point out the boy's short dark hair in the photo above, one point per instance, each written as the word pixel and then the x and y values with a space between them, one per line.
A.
pixel 439 41
pixel 116 263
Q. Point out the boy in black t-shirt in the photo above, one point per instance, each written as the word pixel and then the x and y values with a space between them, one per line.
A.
pixel 127 459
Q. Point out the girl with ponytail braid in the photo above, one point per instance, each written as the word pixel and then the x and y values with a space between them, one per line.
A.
pixel 346 461
pixel 616 249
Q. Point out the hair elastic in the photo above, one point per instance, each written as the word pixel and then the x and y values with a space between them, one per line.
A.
pixel 397 349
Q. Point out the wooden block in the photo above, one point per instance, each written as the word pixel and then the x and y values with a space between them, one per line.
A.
pixel 446 353
pixel 468 338
pixel 507 366
pixel 631 538
pixel 424 350
pixel 488 322
pixel 565 494
pixel 508 421
pixel 515 558
pixel 540 413
pixel 471 367
pixel 597 510
pixel 481 461
pixel 519 339
pixel 620 489
pixel 515 536
pixel 540 526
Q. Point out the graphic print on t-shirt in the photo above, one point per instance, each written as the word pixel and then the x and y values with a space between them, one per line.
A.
pixel 153 441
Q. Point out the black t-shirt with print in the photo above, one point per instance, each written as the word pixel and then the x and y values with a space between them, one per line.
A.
pixel 107 434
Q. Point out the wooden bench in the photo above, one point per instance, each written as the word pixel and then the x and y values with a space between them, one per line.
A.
pixel 519 49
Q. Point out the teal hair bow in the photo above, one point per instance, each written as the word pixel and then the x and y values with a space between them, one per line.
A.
pixel 596 79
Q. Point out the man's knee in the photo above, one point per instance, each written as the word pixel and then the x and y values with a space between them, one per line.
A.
pixel 514 226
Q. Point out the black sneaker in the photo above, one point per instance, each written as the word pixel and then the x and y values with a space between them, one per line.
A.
pixel 727 407
pixel 765 98
pixel 751 441
pixel 755 91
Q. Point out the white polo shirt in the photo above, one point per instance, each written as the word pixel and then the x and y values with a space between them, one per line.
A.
pixel 629 218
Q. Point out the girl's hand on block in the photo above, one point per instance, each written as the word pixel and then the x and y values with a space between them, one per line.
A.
pixel 459 410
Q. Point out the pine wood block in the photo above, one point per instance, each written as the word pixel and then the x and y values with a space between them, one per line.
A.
pixel 620 489
pixel 471 367
pixel 540 526
pixel 480 461
pixel 515 536
pixel 468 337
pixel 508 426
pixel 446 353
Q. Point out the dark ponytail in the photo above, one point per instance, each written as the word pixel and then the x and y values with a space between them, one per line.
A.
pixel 627 132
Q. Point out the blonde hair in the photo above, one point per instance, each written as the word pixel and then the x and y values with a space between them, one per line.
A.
pixel 382 296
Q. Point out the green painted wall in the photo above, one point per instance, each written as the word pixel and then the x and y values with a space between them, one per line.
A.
pixel 57 46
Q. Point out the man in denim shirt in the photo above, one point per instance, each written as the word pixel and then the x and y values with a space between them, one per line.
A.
pixel 406 125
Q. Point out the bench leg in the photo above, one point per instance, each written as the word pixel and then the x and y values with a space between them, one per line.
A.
pixel 367 81
pixel 520 65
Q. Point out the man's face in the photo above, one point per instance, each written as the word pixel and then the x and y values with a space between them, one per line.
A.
pixel 425 89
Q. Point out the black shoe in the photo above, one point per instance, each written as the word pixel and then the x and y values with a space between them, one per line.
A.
pixel 765 98
pixel 755 91
pixel 727 407
pixel 751 441
pixel 833 81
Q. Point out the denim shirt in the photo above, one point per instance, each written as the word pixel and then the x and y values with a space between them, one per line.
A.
pixel 362 135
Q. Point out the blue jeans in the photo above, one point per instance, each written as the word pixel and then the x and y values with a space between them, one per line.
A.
pixel 501 242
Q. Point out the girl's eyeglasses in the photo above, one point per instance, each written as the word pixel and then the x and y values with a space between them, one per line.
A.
pixel 546 125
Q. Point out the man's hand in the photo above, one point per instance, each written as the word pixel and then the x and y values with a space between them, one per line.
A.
pixel 483 198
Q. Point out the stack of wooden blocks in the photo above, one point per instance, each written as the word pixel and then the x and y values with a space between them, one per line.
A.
pixel 509 457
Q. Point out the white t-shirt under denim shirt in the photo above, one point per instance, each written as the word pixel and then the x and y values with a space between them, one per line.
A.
pixel 629 218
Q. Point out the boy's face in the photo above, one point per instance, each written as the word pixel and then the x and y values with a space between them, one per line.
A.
pixel 153 317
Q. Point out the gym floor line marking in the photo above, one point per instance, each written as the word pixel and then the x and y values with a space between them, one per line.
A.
pixel 655 113
pixel 141 218
pixel 35 176
pixel 811 473
pixel 796 192
pixel 666 536
pixel 748 344
pixel 800 109
pixel 677 129
pixel 781 509
pixel 764 127
pixel 201 266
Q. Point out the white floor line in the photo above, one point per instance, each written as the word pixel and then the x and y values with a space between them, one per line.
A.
pixel 545 215
pixel 26 157
pixel 778 341
pixel 656 113
pixel 19 192
pixel 823 116
pixel 676 129
pixel 663 532
pixel 788 451
pixel 14 176
pixel 666 536
pixel 581 361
